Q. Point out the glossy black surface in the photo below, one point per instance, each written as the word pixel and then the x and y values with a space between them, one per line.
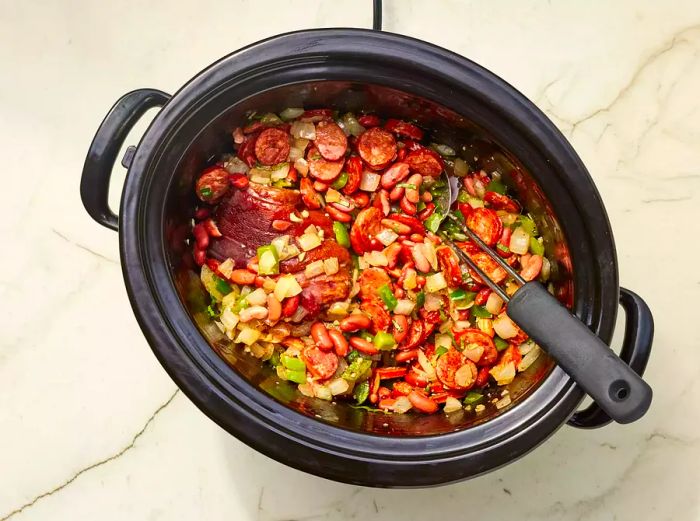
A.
pixel 401 77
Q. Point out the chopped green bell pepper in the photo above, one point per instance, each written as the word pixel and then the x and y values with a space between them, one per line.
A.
pixel 341 181
pixel 361 392
pixel 480 312
pixel 420 299
pixel 357 369
pixel 292 363
pixel 496 186
pixel 440 351
pixel 341 234
pixel 536 247
pixel 473 397
pixel 388 297
pixel 528 225
pixel 432 223
pixel 500 343
pixel 384 341
pixel 298 377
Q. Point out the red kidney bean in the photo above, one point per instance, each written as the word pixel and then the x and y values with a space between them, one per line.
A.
pixel 363 346
pixel 407 206
pixel 426 212
pixel 337 215
pixel 320 335
pixel 211 228
pixel 414 378
pixel 343 208
pixel 396 226
pixel 274 309
pixel 368 120
pixel 416 237
pixel 405 356
pixel 427 197
pixel 290 306
pixel 200 256
pixel 400 328
pixel 383 393
pixel 339 343
pixel 381 201
pixel 201 236
pixel 309 195
pixel 361 199
pixel 202 213
pixel 482 297
pixel 396 193
pixel 394 174
pixel 355 322
pixel 242 276
pixel 399 292
pixel 412 194
pixel 422 403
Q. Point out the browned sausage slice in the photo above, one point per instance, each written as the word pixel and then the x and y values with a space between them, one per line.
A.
pixel 272 146
pixel 330 140
pixel 376 147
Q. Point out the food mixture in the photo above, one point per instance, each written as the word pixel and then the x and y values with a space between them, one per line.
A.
pixel 320 244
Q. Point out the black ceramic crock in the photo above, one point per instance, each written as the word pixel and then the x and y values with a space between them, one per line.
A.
pixel 352 69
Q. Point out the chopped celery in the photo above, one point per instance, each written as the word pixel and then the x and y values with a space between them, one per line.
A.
pixel 528 225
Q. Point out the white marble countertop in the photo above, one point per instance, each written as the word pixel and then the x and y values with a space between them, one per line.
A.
pixel 91 427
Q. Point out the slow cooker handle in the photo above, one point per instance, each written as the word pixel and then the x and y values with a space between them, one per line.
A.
pixel 105 146
pixel 636 349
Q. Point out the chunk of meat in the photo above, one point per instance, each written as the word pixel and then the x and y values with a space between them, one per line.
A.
pixel 486 224
pixel 213 184
pixel 425 162
pixel 366 226
pixel 320 363
pixel 381 319
pixel 330 140
pixel 370 281
pixel 272 146
pixel 376 146
pixel 245 221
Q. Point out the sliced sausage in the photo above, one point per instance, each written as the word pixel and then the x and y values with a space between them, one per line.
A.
pixel 501 202
pixel 402 128
pixel 488 266
pixel 376 147
pixel 481 339
pixel 321 364
pixel 370 281
pixel 272 146
pixel 322 169
pixel 367 224
pixel 425 162
pixel 485 223
pixel 381 319
pixel 330 140
pixel 213 184
pixel 447 365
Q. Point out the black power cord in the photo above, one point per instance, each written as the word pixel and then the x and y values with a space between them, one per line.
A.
pixel 377 19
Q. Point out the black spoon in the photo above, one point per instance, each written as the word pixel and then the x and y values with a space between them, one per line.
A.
pixel 615 387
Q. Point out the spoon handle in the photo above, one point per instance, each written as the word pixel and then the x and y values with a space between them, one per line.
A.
pixel 614 386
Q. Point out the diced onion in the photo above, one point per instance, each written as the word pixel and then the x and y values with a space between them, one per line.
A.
pixel 402 405
pixel 503 402
pixel 370 181
pixel 303 129
pixel 461 325
pixel 235 165
pixel 494 303
pixel 287 286
pixel 546 269
pixel 526 347
pixel 280 172
pixel 226 267
pixel 295 153
pixel 333 196
pixel 432 302
pixel 339 309
pixel 479 188
pixel 229 319
pixel 473 352
pixel 428 249
pixel 452 404
pixel 426 365
pixel 302 166
pixel 298 316
pixel 309 241
pixel 338 386
pixel 280 243
pixel 404 306
pixel 530 358
pixel 505 327
pixel 485 325
pixel 331 266
pixel 461 167
pixel 435 282
pixel 519 241
pixel 257 297
pixel 313 269
pixel 507 218
pixel 352 125
pixel 290 113
pixel 503 374
pixel 376 258
pixel 443 341
pixel 386 236
pixel 444 150
pixel 306 389
pixel 410 281
pixel 260 180
pixel 247 336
